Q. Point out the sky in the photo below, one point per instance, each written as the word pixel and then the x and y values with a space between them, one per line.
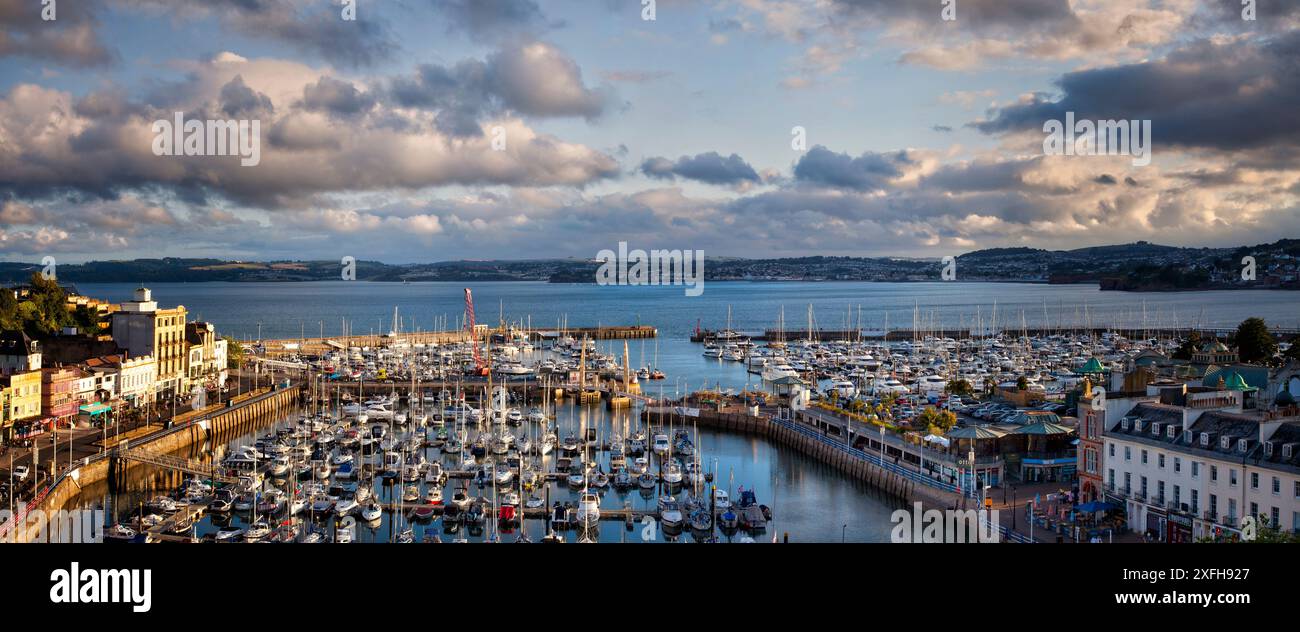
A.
pixel 432 130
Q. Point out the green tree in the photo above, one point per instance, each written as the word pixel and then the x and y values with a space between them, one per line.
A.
pixel 935 420
pixel 234 353
pixel 959 387
pixel 1189 346
pixel 1022 383
pixel 1255 343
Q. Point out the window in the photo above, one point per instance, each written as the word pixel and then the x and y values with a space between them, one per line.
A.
pixel 1254 481
pixel 1195 500
pixel 1232 477
pixel 1178 465
pixel 1110 477
pixel 1178 496
pixel 1112 450
pixel 1128 454
pixel 1144 457
pixel 1254 509
pixel 1128 480
pixel 1297 490
pixel 1275 518
pixel 1214 505
pixel 1160 461
pixel 1196 469
pixel 1160 490
pixel 1144 486
pixel 1277 486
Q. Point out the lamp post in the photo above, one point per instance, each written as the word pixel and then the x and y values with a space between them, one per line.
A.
pixel 882 447
pixel 971 455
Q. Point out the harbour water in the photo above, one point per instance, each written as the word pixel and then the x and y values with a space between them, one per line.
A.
pixel 810 501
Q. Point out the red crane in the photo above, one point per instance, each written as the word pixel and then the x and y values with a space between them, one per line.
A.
pixel 479 367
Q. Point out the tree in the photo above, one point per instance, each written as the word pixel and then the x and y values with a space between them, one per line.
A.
pixel 1255 343
pixel 937 421
pixel 1022 383
pixel 959 387
pixel 1189 346
pixel 234 353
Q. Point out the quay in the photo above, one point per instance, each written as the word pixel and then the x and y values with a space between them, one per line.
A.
pixel 831 335
pixel 186 433
pixel 318 345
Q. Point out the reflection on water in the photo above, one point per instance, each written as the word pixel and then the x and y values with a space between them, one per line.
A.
pixel 809 501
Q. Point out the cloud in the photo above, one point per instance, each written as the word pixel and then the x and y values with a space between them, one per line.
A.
pixel 71 39
pixel 867 172
pixel 491 19
pixel 710 168
pixel 1222 94
pixel 308 26
pixel 101 144
pixel 532 79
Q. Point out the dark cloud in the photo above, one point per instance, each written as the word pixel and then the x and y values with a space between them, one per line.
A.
pixel 311 27
pixel 710 168
pixel 337 97
pixel 974 14
pixel 533 79
pixel 71 39
pixel 1214 95
pixel 867 172
pixel 238 99
pixel 491 19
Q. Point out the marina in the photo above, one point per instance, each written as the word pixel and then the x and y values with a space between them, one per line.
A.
pixel 514 433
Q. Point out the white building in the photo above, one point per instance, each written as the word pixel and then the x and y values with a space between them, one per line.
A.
pixel 1191 472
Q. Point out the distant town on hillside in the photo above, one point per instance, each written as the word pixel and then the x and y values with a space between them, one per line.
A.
pixel 1140 266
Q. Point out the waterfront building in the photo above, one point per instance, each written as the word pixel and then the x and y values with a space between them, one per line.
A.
pixel 1191 465
pixel 1092 416
pixel 1214 352
pixel 205 357
pixel 18 353
pixel 21 395
pixel 59 400
pixel 143 329
pixel 130 380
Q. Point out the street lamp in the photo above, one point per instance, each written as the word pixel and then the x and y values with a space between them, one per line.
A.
pixel 882 446
pixel 971 455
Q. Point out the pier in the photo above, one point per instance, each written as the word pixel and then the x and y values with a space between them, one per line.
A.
pixel 831 335
pixel 318 345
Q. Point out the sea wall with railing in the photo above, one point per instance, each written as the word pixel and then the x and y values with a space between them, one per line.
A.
pixel 187 433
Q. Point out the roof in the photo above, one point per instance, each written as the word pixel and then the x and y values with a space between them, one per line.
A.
pixel 14 343
pixel 1093 365
pixel 974 432
pixel 1255 376
pixel 1235 382
pixel 1043 427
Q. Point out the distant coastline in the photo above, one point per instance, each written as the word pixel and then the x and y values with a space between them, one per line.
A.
pixel 1137 267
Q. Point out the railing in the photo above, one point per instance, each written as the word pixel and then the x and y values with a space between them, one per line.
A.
pixel 1005 533
pixel 869 457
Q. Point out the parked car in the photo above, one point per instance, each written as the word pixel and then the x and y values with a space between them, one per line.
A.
pixel 21 472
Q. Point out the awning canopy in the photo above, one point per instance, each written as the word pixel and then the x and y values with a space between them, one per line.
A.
pixel 95 408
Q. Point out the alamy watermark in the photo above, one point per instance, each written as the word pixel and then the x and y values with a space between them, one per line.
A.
pixel 933 526
pixel 658 267
pixel 1099 138
pixel 94 585
pixel 195 137
pixel 79 526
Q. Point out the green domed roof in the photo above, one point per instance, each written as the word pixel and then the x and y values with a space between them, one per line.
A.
pixel 1092 366
pixel 1235 382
